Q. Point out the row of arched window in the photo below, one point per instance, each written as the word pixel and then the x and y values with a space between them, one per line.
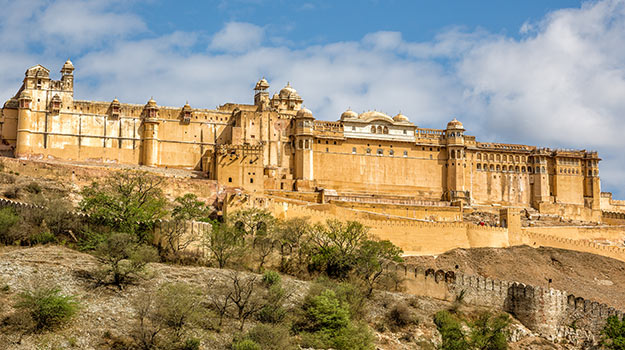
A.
pixel 510 169
pixel 379 129
pixel 569 171
pixel 502 158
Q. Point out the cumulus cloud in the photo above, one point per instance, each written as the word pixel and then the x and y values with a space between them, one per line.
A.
pixel 237 37
pixel 562 84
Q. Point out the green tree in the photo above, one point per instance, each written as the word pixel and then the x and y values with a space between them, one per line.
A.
pixel 613 334
pixel 489 332
pixel 252 222
pixel 47 307
pixel 127 202
pixel 188 207
pixel 174 233
pixel 124 259
pixel 224 242
pixel 326 323
pixel 370 259
pixel 333 247
pixel 291 238
pixel 451 331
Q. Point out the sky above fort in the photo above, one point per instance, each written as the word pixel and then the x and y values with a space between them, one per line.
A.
pixel 546 73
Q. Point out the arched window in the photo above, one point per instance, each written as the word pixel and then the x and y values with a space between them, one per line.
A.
pixel 505 158
pixel 543 170
pixel 307 146
pixel 479 156
pixel 498 167
pixel 516 158
pixel 453 154
pixel 379 129
pixel 354 150
pixel 405 153
pixel 503 168
pixel 492 157
pixel 498 157
pixel 391 152
pixel 386 130
pixel 373 129
pixel 537 170
pixel 485 166
pixel 516 168
pixel 479 166
pixel 492 167
pixel 301 144
pixel 522 169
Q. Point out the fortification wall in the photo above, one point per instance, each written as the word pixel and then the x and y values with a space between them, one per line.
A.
pixel 570 211
pixel 536 239
pixel 549 312
pixel 414 237
pixel 581 232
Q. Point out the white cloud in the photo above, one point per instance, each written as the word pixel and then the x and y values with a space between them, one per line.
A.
pixel 237 37
pixel 561 85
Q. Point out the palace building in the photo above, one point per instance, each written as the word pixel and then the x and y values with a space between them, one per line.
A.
pixel 277 144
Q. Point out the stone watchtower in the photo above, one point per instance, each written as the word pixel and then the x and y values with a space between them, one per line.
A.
pixel 261 96
pixel 150 134
pixel 303 138
pixel 456 162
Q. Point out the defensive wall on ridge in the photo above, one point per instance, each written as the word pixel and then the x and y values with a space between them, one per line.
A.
pixel 549 312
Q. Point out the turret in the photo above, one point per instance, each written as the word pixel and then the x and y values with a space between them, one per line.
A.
pixel 23 144
pixel 304 144
pixel 115 108
pixel 456 162
pixel 186 113
pixel 261 96
pixel 150 134
pixel 67 76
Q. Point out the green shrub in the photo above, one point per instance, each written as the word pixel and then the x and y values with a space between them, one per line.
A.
pixel 451 331
pixel 271 278
pixel 12 192
pixel 124 259
pixel 33 187
pixel 43 237
pixel 191 344
pixel 401 315
pixel 246 344
pixel 613 334
pixel 47 307
pixel 8 219
pixel 270 337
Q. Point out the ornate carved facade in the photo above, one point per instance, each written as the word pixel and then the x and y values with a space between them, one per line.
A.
pixel 275 143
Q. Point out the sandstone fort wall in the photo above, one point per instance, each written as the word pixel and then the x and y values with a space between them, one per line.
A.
pixel 552 313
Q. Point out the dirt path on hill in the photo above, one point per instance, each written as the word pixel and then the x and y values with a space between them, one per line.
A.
pixel 582 274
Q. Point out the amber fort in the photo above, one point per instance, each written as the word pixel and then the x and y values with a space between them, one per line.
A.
pixel 406 180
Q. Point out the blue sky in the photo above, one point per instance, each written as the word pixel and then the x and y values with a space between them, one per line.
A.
pixel 547 73
pixel 314 22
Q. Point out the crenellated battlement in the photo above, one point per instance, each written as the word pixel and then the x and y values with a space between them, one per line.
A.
pixel 548 311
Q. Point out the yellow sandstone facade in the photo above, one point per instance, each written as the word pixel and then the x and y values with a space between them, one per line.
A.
pixel 276 144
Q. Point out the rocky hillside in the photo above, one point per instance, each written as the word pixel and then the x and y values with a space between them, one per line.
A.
pixel 107 316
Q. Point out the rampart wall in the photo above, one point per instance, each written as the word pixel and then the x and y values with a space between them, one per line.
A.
pixel 414 237
pixel 549 312
pixel 536 239
pixel 613 232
